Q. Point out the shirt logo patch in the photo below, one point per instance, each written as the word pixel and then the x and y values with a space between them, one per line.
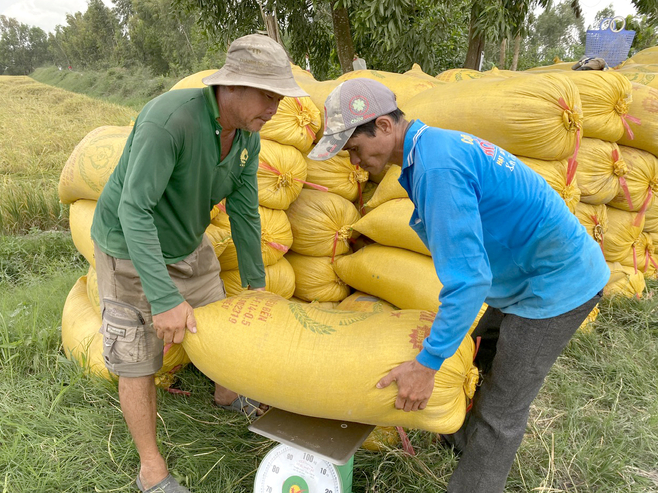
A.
pixel 243 157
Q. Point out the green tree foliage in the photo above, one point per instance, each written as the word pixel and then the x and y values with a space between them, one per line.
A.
pixel 22 48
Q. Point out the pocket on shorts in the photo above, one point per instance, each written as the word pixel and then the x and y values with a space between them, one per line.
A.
pixel 123 333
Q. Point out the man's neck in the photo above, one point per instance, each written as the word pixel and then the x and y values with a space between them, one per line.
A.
pixel 397 157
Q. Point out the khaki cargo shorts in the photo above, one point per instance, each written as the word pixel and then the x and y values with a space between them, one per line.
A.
pixel 131 347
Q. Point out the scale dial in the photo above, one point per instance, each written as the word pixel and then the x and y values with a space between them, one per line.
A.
pixel 286 469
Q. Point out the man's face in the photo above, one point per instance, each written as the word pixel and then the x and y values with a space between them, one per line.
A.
pixel 254 107
pixel 370 153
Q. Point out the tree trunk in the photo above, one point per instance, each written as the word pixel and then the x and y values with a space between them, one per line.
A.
pixel 343 36
pixel 475 49
pixel 503 52
pixel 517 48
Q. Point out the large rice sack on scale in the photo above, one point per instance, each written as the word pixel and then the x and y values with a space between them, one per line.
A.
pixel 624 230
pixel 605 97
pixel 338 175
pixel 389 188
pixel 281 174
pixel 556 174
pixel 275 237
pixel 641 180
pixel 364 302
pixel 624 281
pixel 404 278
pixel 601 172
pixel 82 341
pixel 91 163
pixel 315 278
pixel 595 220
pixel 330 361
pixel 321 223
pixel 644 108
pixel 279 279
pixel 388 224
pixel 538 117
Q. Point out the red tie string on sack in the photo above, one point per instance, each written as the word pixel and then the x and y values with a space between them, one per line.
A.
pixel 333 252
pixel 632 119
pixel 406 443
pixel 622 181
pixel 221 207
pixel 307 126
pixel 643 209
pixel 267 167
pixel 278 246
pixel 598 228
pixel 573 163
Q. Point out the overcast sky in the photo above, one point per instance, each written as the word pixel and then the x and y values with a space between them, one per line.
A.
pixel 46 14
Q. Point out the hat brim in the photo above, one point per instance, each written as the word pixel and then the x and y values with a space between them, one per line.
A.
pixel 330 145
pixel 283 86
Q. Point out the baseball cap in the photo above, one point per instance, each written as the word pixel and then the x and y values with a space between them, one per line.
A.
pixel 257 61
pixel 352 103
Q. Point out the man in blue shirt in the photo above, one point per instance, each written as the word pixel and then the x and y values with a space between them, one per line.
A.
pixel 499 235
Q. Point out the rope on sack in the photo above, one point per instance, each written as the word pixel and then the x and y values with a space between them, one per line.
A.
pixel 597 232
pixel 304 120
pixel 406 443
pixel 571 120
pixel 622 109
pixel 643 209
pixel 267 167
pixel 619 169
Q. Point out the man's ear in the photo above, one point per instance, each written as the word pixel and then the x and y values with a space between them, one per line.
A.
pixel 385 124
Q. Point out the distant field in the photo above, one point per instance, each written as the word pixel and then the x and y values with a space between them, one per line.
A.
pixel 39 127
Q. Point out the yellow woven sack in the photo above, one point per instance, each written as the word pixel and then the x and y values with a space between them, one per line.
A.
pixel 417 71
pixel 338 175
pixel 404 278
pixel 83 343
pixel 556 67
pixel 81 215
pixel 459 74
pixel 324 305
pixel 644 133
pixel 321 223
pixel 315 279
pixel 403 86
pixel 330 361
pixel 389 188
pixel 220 238
pixel 317 90
pixel 91 163
pixel 92 290
pixel 601 171
pixel 556 174
pixel 363 302
pixel 279 279
pixel 642 256
pixel 275 237
pixel 624 281
pixel 595 220
pixel 624 229
pixel 642 181
pixel 605 96
pixel 295 123
pixel 281 174
pixel 538 117
pixel 651 219
pixel 646 56
pixel 388 224
pixel 193 81
pixel 641 74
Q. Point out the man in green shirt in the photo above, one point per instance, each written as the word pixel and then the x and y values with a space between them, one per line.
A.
pixel 188 150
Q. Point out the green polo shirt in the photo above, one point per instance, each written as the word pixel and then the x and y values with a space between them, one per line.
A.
pixel 156 205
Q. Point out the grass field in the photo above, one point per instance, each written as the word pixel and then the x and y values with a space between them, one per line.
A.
pixel 593 428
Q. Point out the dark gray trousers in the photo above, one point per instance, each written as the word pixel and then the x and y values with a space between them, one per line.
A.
pixel 515 356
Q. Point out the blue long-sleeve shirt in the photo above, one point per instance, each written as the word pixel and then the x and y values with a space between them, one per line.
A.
pixel 497 233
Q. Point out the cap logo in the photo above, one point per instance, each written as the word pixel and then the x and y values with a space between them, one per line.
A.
pixel 359 105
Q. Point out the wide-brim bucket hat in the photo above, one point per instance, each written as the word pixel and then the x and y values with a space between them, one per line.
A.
pixel 257 61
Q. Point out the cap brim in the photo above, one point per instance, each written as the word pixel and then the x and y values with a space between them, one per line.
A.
pixel 284 87
pixel 330 145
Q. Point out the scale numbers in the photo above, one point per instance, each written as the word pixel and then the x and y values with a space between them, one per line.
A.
pixel 286 469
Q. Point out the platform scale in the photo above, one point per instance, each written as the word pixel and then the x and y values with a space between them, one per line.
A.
pixel 315 455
